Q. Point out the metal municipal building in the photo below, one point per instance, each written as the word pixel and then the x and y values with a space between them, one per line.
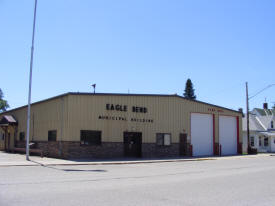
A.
pixel 100 125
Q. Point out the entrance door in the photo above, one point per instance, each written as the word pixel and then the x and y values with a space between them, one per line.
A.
pixel 183 144
pixel 132 144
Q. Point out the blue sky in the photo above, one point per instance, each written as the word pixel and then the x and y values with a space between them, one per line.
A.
pixel 140 46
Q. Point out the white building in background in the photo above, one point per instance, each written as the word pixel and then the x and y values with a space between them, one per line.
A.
pixel 262 130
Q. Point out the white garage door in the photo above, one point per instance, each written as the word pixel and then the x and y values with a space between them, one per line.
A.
pixel 228 134
pixel 202 134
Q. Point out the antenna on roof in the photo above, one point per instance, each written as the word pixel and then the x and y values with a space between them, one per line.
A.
pixel 94 85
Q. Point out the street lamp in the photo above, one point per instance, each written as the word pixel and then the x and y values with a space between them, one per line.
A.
pixel 247 109
pixel 30 86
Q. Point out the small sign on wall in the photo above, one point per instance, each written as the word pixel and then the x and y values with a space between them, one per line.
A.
pixel 215 110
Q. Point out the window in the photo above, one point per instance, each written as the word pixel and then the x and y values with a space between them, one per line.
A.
pixel 252 141
pixel 163 139
pixel 89 137
pixel 265 141
pixel 2 136
pixel 52 135
pixel 272 126
pixel 22 136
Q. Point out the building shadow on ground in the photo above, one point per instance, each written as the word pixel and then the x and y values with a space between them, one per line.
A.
pixel 68 170
pixel 77 170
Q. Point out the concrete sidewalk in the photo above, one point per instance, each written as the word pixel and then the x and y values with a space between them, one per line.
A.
pixel 10 159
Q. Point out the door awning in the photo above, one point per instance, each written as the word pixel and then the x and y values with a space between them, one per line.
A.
pixel 7 120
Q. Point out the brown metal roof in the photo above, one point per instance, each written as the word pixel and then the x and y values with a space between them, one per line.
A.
pixel 8 120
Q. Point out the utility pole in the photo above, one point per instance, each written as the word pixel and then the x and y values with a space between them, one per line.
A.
pixel 247 118
pixel 30 87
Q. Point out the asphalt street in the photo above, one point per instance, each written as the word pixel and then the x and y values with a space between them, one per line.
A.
pixel 236 181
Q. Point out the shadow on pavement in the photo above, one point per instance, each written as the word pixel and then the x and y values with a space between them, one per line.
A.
pixel 67 170
pixel 76 170
pixel 125 159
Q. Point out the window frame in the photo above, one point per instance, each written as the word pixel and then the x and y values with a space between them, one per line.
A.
pixel 50 138
pixel 97 133
pixel 20 136
pixel 160 139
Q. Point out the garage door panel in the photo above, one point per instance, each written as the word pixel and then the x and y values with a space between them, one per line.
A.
pixel 202 134
pixel 228 134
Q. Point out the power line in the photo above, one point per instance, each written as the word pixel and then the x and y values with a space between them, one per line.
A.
pixel 271 85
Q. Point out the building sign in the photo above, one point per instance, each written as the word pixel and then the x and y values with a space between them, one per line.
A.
pixel 106 117
pixel 117 107
pixel 124 108
pixel 112 118
pixel 215 110
pixel 139 109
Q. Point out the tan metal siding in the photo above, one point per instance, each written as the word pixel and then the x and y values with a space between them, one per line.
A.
pixel 170 115
pixel 45 116
pixel 71 113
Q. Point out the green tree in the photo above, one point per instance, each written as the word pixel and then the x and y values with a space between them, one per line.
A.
pixel 189 91
pixel 3 103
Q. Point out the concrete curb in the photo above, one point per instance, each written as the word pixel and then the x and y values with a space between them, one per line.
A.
pixel 123 163
pixel 38 163
pixel 106 163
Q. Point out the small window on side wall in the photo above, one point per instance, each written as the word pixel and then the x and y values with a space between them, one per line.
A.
pixel 163 139
pixel 52 135
pixel 22 136
pixel 90 137
pixel 272 126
